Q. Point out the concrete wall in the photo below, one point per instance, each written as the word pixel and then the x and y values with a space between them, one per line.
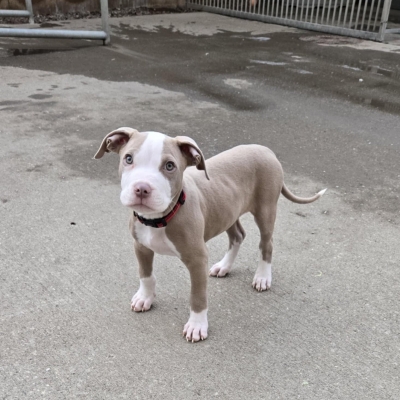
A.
pixel 45 7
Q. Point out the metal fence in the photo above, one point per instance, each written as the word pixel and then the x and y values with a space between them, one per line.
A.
pixel 103 34
pixel 358 18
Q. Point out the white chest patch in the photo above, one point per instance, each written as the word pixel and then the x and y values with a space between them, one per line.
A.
pixel 155 239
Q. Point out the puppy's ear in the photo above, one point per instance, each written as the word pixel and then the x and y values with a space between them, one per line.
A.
pixel 192 153
pixel 114 141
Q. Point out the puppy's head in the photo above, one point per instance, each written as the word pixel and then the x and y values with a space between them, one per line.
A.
pixel 151 167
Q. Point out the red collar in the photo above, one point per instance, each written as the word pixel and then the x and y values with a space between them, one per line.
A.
pixel 162 222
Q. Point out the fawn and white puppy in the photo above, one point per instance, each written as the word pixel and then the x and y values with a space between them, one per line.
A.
pixel 180 201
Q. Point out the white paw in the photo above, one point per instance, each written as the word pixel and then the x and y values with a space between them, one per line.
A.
pixel 197 326
pixel 261 284
pixel 263 277
pixel 223 267
pixel 140 302
pixel 144 297
pixel 220 269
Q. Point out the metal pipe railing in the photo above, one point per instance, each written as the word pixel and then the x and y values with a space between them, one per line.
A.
pixel 15 13
pixel 52 33
pixel 28 13
pixel 56 33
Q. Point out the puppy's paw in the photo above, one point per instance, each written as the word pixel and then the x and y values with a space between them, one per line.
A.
pixel 220 269
pixel 141 303
pixel 263 277
pixel 144 297
pixel 261 284
pixel 197 326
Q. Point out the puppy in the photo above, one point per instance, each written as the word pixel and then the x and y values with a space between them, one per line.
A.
pixel 179 201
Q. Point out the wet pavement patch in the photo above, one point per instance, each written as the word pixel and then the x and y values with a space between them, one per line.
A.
pixel 50 25
pixel 280 59
pixel 330 39
pixel 29 52
pixel 40 96
pixel 11 102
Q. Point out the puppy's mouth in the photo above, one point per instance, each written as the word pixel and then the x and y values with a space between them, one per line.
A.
pixel 142 208
pixel 150 205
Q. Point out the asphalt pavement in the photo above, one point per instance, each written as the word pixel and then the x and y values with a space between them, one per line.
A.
pixel 328 106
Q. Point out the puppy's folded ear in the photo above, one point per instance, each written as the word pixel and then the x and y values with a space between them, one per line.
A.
pixel 192 153
pixel 114 141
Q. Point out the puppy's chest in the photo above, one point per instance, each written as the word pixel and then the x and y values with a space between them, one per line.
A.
pixel 155 239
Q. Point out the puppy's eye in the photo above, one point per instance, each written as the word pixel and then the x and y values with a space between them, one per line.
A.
pixel 169 166
pixel 128 159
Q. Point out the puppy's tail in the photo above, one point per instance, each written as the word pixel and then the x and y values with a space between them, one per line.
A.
pixel 300 200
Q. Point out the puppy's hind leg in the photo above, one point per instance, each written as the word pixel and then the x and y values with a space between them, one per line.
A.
pixel 265 220
pixel 236 235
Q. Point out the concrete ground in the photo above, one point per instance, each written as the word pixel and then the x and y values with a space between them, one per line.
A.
pixel 328 106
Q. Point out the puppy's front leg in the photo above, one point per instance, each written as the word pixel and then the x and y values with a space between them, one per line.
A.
pixel 197 326
pixel 144 297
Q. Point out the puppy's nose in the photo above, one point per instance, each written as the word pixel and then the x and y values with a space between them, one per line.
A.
pixel 142 190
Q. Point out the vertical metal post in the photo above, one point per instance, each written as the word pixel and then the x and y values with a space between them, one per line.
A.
pixel 351 14
pixel 291 9
pixel 297 9
pixel 104 20
pixel 345 13
pixel 358 15
pixel 384 20
pixel 370 13
pixel 28 4
pixel 302 8
pixel 317 12
pixel 340 13
pixel 363 16
pixel 378 9
pixel 323 11
pixel 312 10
